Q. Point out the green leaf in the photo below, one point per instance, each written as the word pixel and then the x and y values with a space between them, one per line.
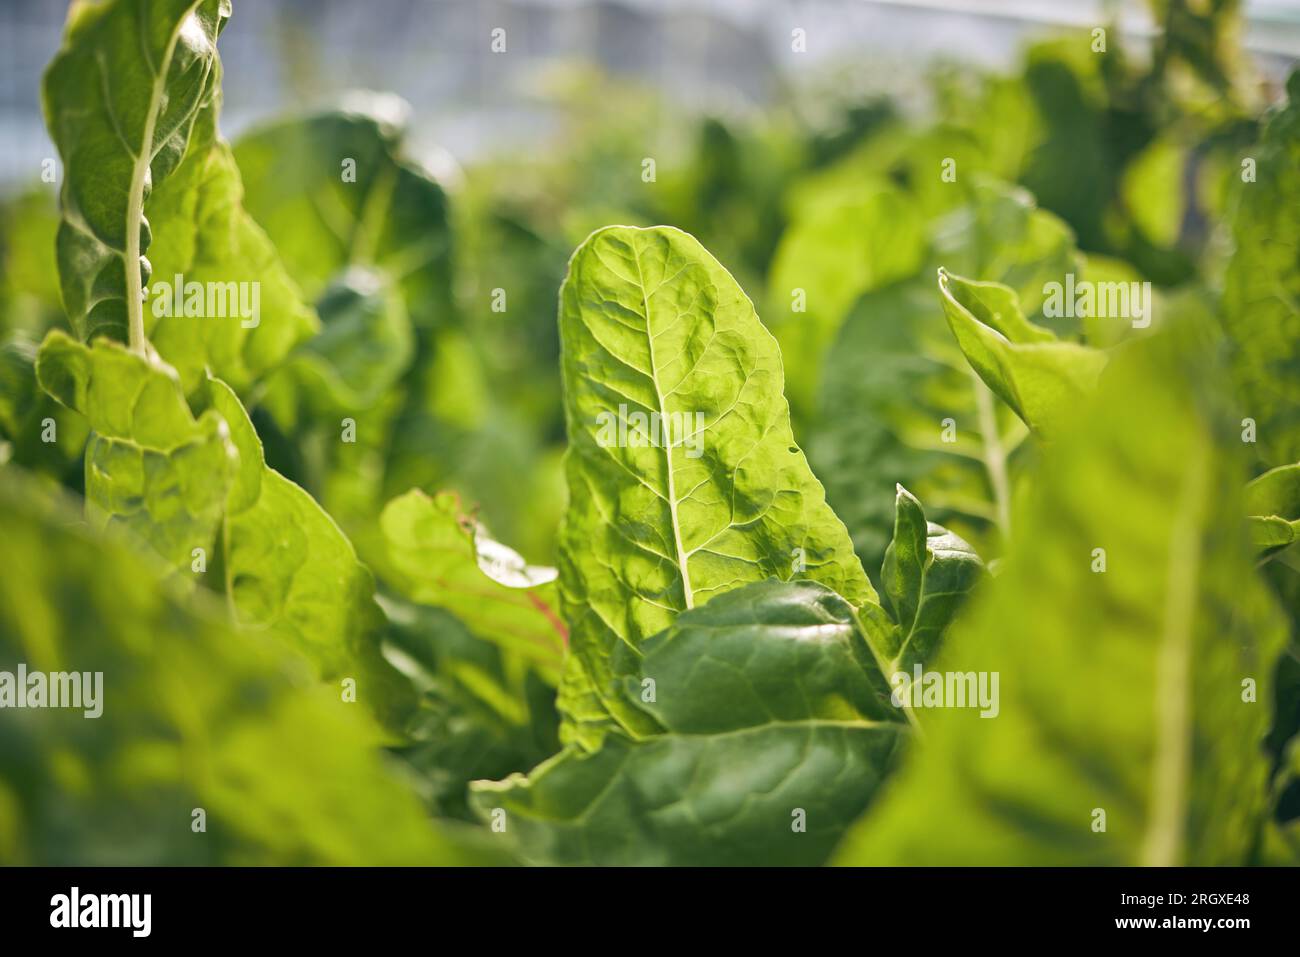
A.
pixel 651 324
pixel 176 481
pixel 445 558
pixel 120 99
pixel 150 464
pixel 336 190
pixel 1121 690
pixel 194 715
pixel 999 233
pixel 845 242
pixel 777 729
pixel 202 235
pixel 482 712
pixel 291 571
pixel 1273 504
pixel 146 171
pixel 923 418
pixel 925 577
pixel 364 347
pixel 27 415
pixel 1041 378
pixel 1261 294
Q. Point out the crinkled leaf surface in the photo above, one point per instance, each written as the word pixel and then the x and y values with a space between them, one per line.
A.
pixel 146 171
pixel 203 235
pixel 445 558
pixel 1261 296
pixel 150 464
pixel 121 98
pixel 1120 690
pixel 773 714
pixel 652 325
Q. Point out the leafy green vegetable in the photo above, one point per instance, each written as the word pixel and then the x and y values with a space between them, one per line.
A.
pixel 1124 623
pixel 933 425
pixel 202 235
pixel 289 570
pixel 776 729
pixel 710 493
pixel 150 464
pixel 445 559
pixel 1040 378
pixel 831 254
pixel 336 190
pixel 176 481
pixel 195 716
pixel 121 98
pixel 482 712
pixel 1273 504
pixel 1261 296
pixel 927 572
pixel 27 414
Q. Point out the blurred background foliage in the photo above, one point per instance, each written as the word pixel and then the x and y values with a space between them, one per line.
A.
pixel 435 283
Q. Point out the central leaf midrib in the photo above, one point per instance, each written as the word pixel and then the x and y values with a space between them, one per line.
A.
pixel 687 593
pixel 135 198
pixel 1170 766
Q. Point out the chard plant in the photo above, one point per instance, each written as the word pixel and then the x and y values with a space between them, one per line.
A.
pixel 1031 598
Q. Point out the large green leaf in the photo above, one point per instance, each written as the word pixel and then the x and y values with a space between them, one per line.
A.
pixel 121 98
pixel 291 571
pixel 177 480
pixel 202 235
pixel 338 189
pixel 1041 378
pixel 1122 671
pixel 444 558
pixel 150 464
pixel 844 243
pixel 923 418
pixel 146 171
pixel 659 523
pixel 776 729
pixel 195 715
pixel 1261 295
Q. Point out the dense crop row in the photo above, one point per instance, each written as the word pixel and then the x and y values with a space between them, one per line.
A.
pixel 984 553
